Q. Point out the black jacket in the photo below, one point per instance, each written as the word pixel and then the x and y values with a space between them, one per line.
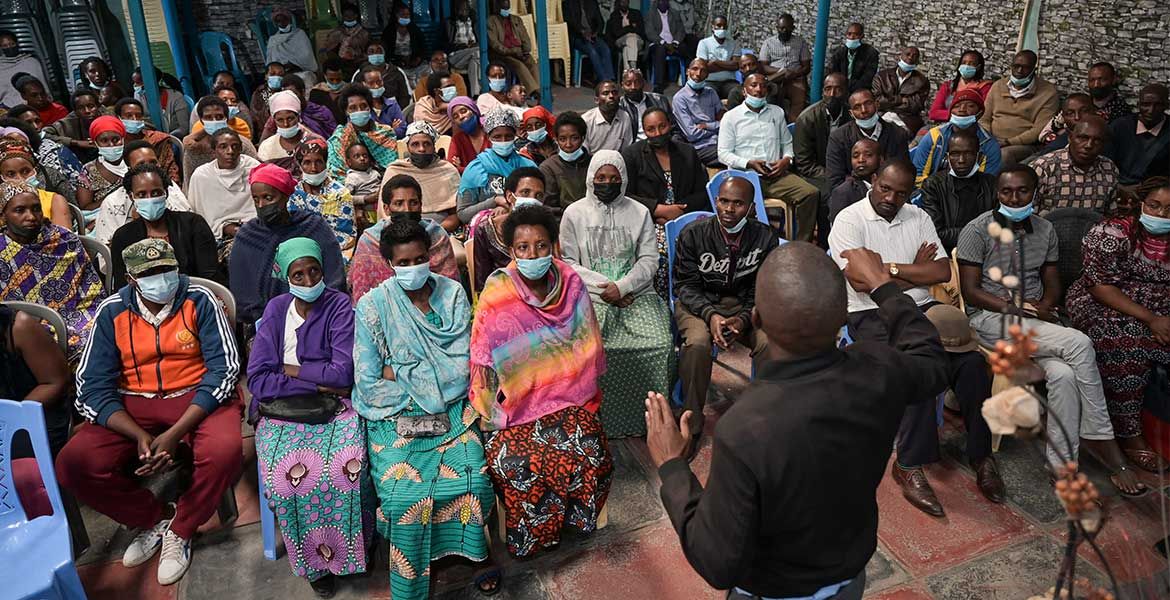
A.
pixel 188 234
pixel 417 42
pixel 953 202
pixel 810 141
pixel 701 259
pixel 865 65
pixel 614 29
pixel 571 10
pixel 653 100
pixel 894 142
pixel 648 182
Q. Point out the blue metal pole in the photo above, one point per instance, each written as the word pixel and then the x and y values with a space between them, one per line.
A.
pixel 481 12
pixel 142 42
pixel 820 43
pixel 542 54
pixel 178 49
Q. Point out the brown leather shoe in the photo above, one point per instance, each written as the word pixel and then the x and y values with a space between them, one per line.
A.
pixel 917 489
pixel 988 479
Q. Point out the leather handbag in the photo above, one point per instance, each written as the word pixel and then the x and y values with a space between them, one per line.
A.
pixel 311 409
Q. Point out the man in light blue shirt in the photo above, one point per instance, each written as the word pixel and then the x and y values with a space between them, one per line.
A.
pixel 755 136
pixel 697 109
pixel 722 54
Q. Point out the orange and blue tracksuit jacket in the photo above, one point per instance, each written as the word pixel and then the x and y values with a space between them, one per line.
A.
pixel 193 348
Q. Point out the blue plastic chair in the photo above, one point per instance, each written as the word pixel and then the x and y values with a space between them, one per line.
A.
pixel 673 228
pixel 40 549
pixel 267 519
pixel 211 49
pixel 578 58
pixel 670 59
pixel 752 176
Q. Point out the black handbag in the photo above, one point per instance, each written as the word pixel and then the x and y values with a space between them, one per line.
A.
pixel 1157 399
pixel 311 409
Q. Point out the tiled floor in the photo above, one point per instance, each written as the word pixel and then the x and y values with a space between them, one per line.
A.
pixel 978 551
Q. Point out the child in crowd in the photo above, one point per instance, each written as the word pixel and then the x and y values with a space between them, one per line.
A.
pixel 363 181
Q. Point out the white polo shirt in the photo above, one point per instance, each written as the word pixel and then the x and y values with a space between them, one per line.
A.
pixel 897 241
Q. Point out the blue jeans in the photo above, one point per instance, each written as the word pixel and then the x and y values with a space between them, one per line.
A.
pixel 599 56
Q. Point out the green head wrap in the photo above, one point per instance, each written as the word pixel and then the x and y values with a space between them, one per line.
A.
pixel 292 249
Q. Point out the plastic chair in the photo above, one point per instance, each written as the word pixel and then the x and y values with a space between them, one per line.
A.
pixel 100 254
pixel 78 218
pixel 49 315
pixel 559 49
pixel 670 59
pixel 39 549
pixel 212 46
pixel 578 57
pixel 226 299
pixel 673 228
pixel 752 176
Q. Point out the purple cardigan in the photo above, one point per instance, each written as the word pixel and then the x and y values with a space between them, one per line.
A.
pixel 324 348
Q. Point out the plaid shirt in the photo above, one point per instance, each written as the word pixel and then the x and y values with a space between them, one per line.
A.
pixel 785 55
pixel 1065 185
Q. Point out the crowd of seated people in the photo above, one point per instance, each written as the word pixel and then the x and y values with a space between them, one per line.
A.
pixel 442 296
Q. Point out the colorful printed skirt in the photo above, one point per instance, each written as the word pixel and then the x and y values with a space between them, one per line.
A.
pixel 434 496
pixel 552 472
pixel 317 483
pixel 639 356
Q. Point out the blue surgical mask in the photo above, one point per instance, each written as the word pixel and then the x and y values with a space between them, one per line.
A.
pixel 404 21
pixel 33 182
pixel 571 156
pixel 1016 215
pixel 963 122
pixel 967 71
pixel 538 136
pixel 350 23
pixel 377 92
pixel 505 13
pixel 448 93
pixel 151 209
pixel 274 82
pixel 720 33
pixel 288 132
pixel 233 111
pixel 111 154
pixel 286 29
pixel 307 294
pixel 360 118
pixel 905 66
pixel 314 178
pixel 754 102
pixel 1155 225
pixel 852 44
pixel 497 85
pixel 520 201
pixel 376 59
pixel 212 127
pixel 534 268
pixel 413 277
pixel 133 126
pixel 737 228
pixel 504 149
pixel 470 126
pixel 159 288
pixel 139 89
pixel 696 85
pixel 869 123
pixel 1022 82
pixel 334 86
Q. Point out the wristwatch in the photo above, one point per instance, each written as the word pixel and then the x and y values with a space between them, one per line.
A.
pixel 893 270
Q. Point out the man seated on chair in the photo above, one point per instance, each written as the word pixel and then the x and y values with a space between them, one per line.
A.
pixel 715 265
pixel 867 123
pixel 721 52
pixel 698 111
pixel 608 127
pixel 157 382
pixel 439 64
pixel 586 28
pixel 955 197
pixel 904 236
pixel 754 135
pixel 866 158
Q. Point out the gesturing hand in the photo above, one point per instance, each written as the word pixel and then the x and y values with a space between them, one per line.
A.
pixel 665 439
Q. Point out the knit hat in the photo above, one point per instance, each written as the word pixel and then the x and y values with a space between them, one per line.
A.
pixel 968 94
pixel 953 327
pixel 148 254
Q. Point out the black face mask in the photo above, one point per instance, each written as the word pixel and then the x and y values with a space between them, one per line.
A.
pixel 607 192
pixel 658 142
pixel 636 96
pixel 1101 93
pixel 271 214
pixel 835 104
pixel 410 215
pixel 12 52
pixel 421 161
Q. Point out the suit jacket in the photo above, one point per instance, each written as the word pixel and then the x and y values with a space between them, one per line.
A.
pixel 571 9
pixel 648 182
pixel 908 100
pixel 894 142
pixel 810 140
pixel 614 29
pixel 654 26
pixel 652 101
pixel 865 65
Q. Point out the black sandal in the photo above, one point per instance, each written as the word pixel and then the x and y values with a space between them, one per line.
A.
pixel 489 582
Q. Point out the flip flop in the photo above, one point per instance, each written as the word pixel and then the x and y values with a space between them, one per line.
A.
pixel 1146 459
pixel 1143 489
pixel 488 577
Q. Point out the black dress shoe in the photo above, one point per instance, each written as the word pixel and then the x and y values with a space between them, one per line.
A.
pixel 324 587
pixel 916 489
pixel 988 479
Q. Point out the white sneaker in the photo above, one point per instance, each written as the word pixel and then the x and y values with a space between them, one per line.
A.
pixel 176 557
pixel 145 544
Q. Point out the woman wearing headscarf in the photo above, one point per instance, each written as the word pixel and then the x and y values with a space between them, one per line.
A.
pixel 536 360
pixel 18 166
pixel 256 243
pixel 303 355
pixel 468 137
pixel 280 149
pixel 482 186
pixel 107 170
pixel 538 125
pixel 609 240
pixel 290 44
pixel 438 178
pixel 44 263
pixel 64 173
pixel 320 193
pixel 411 382
pixel 357 102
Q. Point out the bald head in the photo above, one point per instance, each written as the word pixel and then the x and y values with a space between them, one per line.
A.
pixel 738 187
pixel 800 299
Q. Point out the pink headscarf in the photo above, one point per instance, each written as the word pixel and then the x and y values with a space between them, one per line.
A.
pixel 461 101
pixel 273 175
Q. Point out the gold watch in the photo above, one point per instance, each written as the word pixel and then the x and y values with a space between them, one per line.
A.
pixel 893 270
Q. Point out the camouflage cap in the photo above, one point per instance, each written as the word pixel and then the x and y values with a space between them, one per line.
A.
pixel 143 256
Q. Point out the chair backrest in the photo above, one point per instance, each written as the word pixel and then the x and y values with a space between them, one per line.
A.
pixel 49 315
pixel 103 259
pixel 1071 225
pixel 213 47
pixel 29 416
pixel 673 228
pixel 752 176
pixel 78 218
pixel 226 299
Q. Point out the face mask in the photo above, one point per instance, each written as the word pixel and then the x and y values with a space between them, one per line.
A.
pixel 151 209
pixel 377 59
pixel 421 161
pixel 469 126
pixel 406 215
pixel 349 23
pixel 606 193
pixel 534 268
pixel 720 33
pixel 160 288
pixel 314 178
pixel 1015 215
pixel 285 29
pixel 737 228
pixel 288 132
pixel 307 294
pixel 505 13
pixel 334 86
pixel 538 136
pixel 270 214
pixel 1020 82
pixel 404 21
pixel 497 85
pixel 360 118
pixel 835 104
pixel 963 122
pixel 213 126
pixel 448 93
pixel 696 85
pixel 852 44
pixel 869 123
pixel 233 112
pixel 658 141
pixel 906 67
pixel 967 71
pixel 33 182
pixel 377 92
pixel 970 174
pixel 133 126
pixel 138 89
pixel 504 149
pixel 413 277
pixel 754 102
pixel 1155 225
pixel 111 154
pixel 571 156
pixel 12 52
pixel 526 202
pixel 1101 93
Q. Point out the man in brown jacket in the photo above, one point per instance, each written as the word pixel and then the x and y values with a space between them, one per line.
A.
pixel 510 45
pixel 1018 107
pixel 903 90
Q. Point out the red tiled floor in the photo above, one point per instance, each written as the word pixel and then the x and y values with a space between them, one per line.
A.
pixel 902 593
pixel 649 564
pixel 114 582
pixel 1127 540
pixel 926 544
